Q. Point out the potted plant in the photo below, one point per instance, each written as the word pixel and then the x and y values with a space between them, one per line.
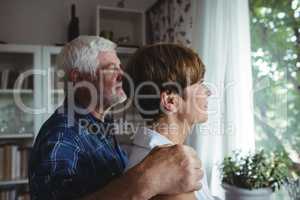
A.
pixel 254 176
pixel 293 183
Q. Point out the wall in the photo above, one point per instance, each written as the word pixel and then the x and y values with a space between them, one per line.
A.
pixel 46 21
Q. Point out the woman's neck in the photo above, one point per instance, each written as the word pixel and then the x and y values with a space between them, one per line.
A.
pixel 173 129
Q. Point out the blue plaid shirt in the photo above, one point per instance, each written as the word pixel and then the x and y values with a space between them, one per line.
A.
pixel 73 157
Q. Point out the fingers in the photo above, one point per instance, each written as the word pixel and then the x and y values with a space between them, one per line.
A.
pixel 189 149
pixel 199 175
pixel 194 159
pixel 197 187
pixel 165 145
pixel 162 146
pixel 195 167
pixel 197 182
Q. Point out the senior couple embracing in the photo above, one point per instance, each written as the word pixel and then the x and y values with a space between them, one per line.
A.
pixel 165 82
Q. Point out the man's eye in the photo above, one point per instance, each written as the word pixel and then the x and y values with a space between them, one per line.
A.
pixel 112 67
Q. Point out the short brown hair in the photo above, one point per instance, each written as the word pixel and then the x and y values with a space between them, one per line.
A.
pixel 161 63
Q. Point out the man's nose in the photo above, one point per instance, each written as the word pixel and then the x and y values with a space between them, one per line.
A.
pixel 120 75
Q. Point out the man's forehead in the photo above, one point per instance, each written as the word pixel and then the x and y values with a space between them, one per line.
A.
pixel 107 57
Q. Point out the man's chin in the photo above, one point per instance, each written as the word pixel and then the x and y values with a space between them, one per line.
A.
pixel 118 100
pixel 123 98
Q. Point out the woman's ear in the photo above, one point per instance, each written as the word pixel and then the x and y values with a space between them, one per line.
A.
pixel 169 102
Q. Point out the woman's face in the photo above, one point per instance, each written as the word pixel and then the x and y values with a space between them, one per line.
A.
pixel 193 107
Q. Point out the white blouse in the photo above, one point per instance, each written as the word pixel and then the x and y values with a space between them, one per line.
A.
pixel 144 141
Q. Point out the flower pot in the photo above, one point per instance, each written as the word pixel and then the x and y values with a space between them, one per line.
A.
pixel 235 193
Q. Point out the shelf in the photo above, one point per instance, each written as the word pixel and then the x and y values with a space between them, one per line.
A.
pixel 117 9
pixel 126 50
pixel 12 91
pixel 122 23
pixel 12 183
pixel 57 91
pixel 19 48
pixel 16 136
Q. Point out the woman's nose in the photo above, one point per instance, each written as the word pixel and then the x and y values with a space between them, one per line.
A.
pixel 208 92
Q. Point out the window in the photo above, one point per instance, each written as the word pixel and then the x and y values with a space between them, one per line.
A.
pixel 275 35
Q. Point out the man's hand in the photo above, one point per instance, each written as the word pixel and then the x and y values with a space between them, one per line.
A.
pixel 183 196
pixel 172 170
pixel 166 170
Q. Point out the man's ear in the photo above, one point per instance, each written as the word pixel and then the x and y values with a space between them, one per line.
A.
pixel 74 75
pixel 169 102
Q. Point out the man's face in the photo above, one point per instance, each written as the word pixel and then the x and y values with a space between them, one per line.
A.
pixel 109 81
pixel 194 104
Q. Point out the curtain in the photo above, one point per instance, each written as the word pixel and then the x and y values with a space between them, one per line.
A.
pixel 221 36
pixel 170 21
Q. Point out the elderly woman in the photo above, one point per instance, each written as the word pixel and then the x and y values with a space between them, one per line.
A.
pixel 171 76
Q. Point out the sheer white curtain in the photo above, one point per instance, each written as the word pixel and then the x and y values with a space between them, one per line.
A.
pixel 221 36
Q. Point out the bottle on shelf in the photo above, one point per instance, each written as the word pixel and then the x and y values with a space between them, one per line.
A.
pixel 73 28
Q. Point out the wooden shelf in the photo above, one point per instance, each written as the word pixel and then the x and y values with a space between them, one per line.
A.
pixel 16 136
pixel 13 183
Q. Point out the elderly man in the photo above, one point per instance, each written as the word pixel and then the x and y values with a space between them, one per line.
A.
pixel 76 157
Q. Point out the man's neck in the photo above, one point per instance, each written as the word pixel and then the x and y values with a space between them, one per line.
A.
pixel 98 111
pixel 173 129
pixel 98 115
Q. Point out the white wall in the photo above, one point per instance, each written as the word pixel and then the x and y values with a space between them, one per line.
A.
pixel 46 21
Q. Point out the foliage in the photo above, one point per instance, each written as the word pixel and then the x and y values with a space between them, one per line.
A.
pixel 259 170
pixel 275 35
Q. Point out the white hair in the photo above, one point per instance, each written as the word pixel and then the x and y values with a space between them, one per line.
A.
pixel 82 52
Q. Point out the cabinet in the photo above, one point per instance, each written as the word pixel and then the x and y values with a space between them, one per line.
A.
pixel 26 100
pixel 19 121
pixel 17 105
pixel 124 26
